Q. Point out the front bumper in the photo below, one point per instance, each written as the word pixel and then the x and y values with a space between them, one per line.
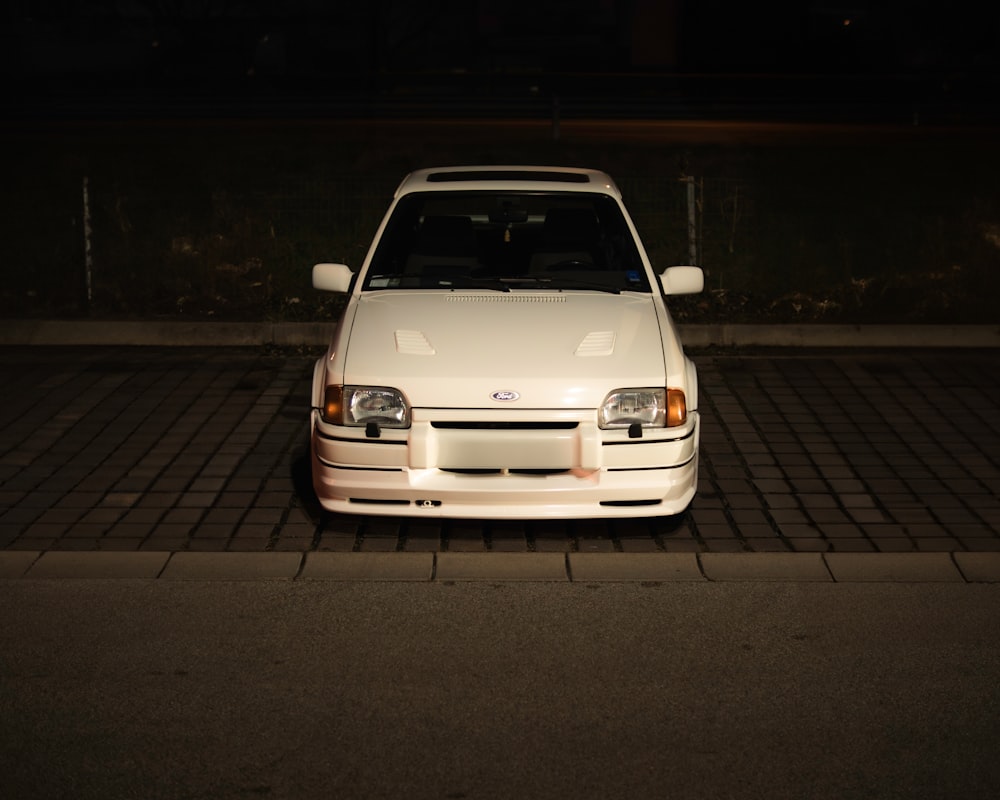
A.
pixel 555 464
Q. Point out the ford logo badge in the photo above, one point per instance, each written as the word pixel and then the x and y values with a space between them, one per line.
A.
pixel 505 396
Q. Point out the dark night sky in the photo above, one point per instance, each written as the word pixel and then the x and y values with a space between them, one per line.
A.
pixel 367 47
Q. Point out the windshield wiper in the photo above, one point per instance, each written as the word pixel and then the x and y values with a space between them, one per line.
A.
pixel 571 283
pixel 470 282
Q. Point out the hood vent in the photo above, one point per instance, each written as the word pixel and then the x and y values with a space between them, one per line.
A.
pixel 413 343
pixel 597 343
pixel 505 298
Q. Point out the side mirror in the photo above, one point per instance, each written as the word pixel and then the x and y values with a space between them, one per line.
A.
pixel 332 277
pixel 682 280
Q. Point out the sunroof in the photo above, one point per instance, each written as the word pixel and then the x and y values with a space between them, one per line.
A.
pixel 509 175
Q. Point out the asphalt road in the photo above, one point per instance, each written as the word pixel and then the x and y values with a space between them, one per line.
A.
pixel 155 689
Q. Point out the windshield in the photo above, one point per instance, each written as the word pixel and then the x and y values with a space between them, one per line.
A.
pixel 507 240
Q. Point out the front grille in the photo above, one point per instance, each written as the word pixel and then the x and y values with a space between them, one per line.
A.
pixel 506 426
pixel 511 471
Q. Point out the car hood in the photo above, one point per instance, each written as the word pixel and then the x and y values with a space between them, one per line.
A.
pixel 551 349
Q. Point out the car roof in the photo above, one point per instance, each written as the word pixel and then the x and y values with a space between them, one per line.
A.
pixel 504 177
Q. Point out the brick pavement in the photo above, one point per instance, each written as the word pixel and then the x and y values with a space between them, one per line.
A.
pixel 203 449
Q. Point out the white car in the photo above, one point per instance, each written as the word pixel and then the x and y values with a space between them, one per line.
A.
pixel 506 352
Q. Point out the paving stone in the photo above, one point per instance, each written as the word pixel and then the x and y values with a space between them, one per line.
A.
pixel 757 532
pixel 121 499
pixel 809 545
pixel 636 545
pixel 56 516
pixel 247 544
pixel 197 500
pixel 746 517
pixel 892 545
pixel 336 542
pixel 710 517
pixel 828 517
pixel 216 545
pixel 298 529
pixel 102 516
pixel 383 544
pixel 129 530
pixel 166 544
pixel 851 545
pixel 744 501
pixel 766 544
pixel 32 543
pixel 782 501
pixel 236 499
pixel 595 545
pixel 940 544
pixel 466 545
pixel 299 544
pixel 422 544
pixel 553 545
pixel 834 530
pixel 505 544
pixel 209 530
pixel 981 544
pixel 893 479
pixel 82 530
pixel 725 546
pixel 159 499
pixel 47 530
pixel 137 516
pixel 682 546
pixel 788 516
pixel 867 516
pixel 713 532
pixel 172 530
pixel 120 544
pixel 80 499
pixel 254 531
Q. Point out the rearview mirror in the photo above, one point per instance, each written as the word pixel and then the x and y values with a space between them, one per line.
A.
pixel 682 280
pixel 332 277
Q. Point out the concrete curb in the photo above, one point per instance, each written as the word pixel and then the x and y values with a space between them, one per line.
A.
pixel 317 334
pixel 15 563
pixel 965 336
pixel 96 333
pixel 368 566
pixel 979 567
pixel 892 567
pixel 232 566
pixel 764 567
pixel 68 564
pixel 651 567
pixel 543 567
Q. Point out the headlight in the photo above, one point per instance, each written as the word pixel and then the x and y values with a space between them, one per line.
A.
pixel 650 408
pixel 359 405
